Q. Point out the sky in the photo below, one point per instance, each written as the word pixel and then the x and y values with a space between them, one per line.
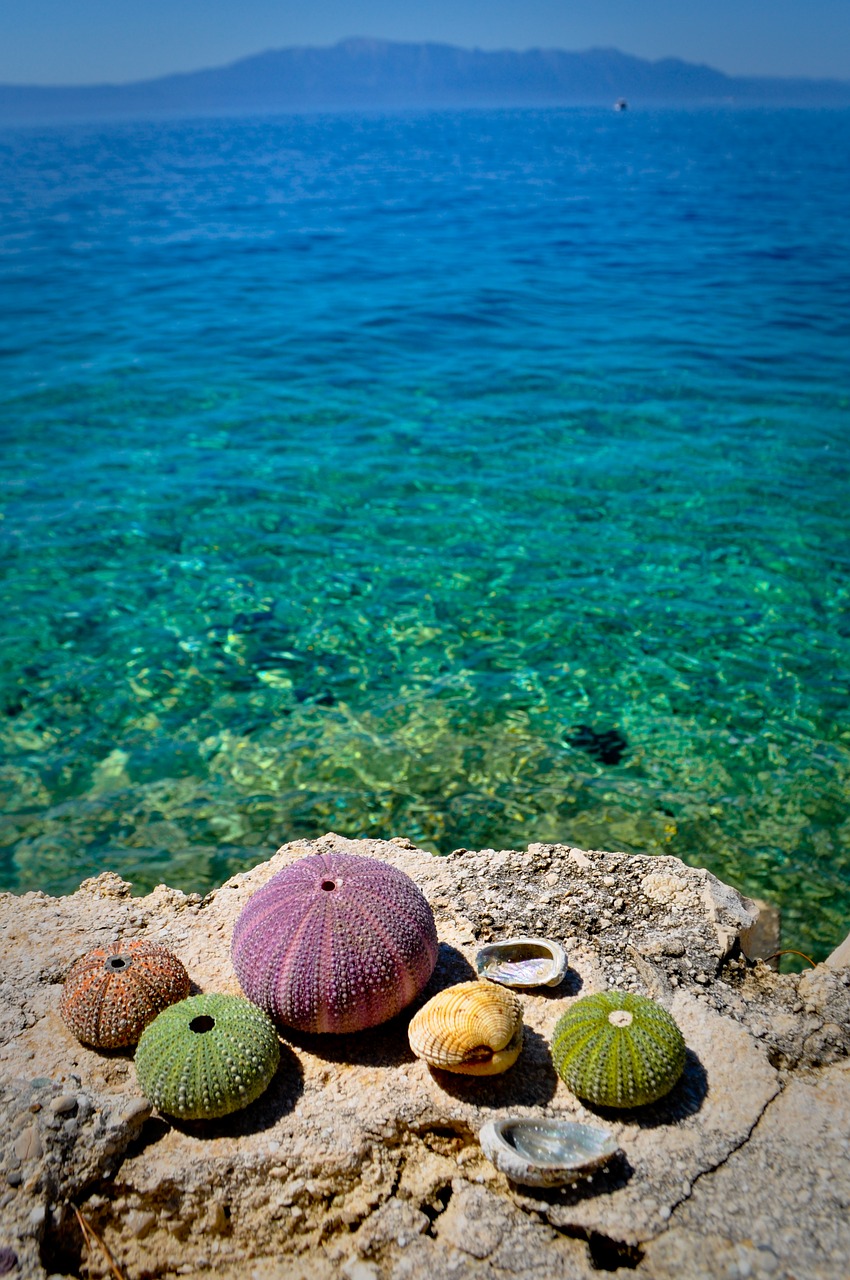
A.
pixel 94 41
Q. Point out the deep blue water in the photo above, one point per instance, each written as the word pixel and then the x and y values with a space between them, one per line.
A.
pixel 475 477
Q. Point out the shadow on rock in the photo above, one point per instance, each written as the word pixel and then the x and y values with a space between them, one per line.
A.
pixel 278 1100
pixel 569 986
pixel 685 1099
pixel 530 1082
pixel 452 967
pixel 382 1046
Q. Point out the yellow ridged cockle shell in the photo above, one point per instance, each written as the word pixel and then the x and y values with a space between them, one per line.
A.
pixel 474 1028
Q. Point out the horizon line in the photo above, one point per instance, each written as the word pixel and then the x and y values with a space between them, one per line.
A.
pixel 441 44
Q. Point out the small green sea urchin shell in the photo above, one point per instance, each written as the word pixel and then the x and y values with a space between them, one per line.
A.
pixel 207 1056
pixel 618 1050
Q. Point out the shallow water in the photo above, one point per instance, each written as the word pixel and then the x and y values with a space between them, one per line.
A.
pixel 476 477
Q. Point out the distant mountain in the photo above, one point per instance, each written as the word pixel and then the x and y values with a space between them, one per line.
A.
pixel 364 74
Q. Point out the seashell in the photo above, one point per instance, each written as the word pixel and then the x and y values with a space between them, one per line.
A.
pixel 546 1153
pixel 618 1050
pixel 523 962
pixel 113 992
pixel 335 942
pixel 207 1056
pixel 473 1028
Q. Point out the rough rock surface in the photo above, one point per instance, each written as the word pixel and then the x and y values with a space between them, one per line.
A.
pixel 360 1163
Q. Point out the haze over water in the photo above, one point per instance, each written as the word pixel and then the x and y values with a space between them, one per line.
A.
pixel 478 477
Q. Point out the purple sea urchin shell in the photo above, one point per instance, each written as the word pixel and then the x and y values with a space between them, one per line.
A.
pixel 335 943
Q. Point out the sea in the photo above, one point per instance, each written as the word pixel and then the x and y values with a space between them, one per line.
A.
pixel 474 477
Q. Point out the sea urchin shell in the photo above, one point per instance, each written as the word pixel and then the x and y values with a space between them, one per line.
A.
pixel 335 942
pixel 207 1056
pixel 113 992
pixel 618 1050
pixel 474 1028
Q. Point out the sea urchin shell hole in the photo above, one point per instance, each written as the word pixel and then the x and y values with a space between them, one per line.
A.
pixel 113 992
pixel 335 943
pixel 201 1024
pixel 617 1049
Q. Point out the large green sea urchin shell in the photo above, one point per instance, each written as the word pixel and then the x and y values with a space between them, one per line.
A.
pixel 618 1050
pixel 207 1056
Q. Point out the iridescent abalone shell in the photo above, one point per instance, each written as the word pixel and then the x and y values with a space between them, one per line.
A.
pixel 546 1152
pixel 113 992
pixel 335 942
pixel 207 1056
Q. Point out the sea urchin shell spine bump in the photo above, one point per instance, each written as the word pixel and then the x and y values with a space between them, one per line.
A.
pixel 335 943
pixel 546 1153
pixel 474 1028
pixel 617 1049
pixel 207 1056
pixel 112 993
pixel 523 962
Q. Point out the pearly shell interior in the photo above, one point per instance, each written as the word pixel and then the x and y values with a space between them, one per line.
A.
pixel 523 962
pixel 546 1153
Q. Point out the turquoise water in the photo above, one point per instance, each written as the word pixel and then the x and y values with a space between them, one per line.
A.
pixel 476 477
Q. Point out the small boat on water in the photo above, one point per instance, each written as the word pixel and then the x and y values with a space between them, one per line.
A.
pixel 621 105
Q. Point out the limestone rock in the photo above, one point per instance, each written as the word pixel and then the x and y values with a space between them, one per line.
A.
pixel 360 1162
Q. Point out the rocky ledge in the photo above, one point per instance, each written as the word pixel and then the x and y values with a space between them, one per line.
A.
pixel 359 1163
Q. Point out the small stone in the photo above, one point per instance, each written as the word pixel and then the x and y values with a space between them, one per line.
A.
pixel 6 1198
pixel 139 1223
pixel 14 1177
pixel 702 979
pixel 28 1144
pixel 9 1261
pixel 38 1216
pixel 357 1269
pixel 63 1104
pixel 139 1109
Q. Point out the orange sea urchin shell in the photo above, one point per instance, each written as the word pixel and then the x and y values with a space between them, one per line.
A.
pixel 113 992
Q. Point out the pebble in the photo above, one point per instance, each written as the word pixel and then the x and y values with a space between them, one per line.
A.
pixel 28 1145
pixel 37 1216
pixel 6 1198
pixel 14 1177
pixel 63 1104
pixel 139 1223
pixel 140 1107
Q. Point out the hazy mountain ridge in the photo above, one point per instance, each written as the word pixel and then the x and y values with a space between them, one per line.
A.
pixel 363 74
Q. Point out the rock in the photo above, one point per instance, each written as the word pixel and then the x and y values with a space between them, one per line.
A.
pixel 65 1103
pixel 474 1222
pixel 763 938
pixel 359 1162
pixel 840 957
pixel 28 1145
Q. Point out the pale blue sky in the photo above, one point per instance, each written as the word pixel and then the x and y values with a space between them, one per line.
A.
pixel 86 41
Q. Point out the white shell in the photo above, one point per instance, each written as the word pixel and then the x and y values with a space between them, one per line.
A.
pixel 523 962
pixel 546 1153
